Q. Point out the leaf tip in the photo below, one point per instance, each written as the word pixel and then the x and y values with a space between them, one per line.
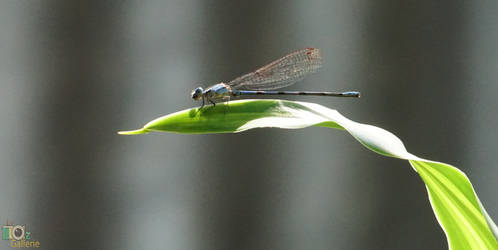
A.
pixel 134 132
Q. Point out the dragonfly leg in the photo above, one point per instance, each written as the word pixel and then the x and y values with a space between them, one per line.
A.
pixel 226 99
pixel 202 103
pixel 211 101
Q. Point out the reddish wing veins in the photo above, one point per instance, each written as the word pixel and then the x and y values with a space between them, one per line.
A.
pixel 282 72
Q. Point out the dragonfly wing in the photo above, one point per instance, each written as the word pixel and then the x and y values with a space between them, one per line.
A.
pixel 282 72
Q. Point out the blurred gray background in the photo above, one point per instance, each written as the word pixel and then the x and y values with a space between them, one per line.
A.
pixel 72 73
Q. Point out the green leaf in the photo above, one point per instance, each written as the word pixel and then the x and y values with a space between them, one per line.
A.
pixel 453 199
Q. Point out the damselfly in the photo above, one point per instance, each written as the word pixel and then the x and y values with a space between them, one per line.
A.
pixel 278 74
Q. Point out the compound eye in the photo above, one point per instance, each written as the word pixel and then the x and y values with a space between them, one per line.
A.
pixel 197 93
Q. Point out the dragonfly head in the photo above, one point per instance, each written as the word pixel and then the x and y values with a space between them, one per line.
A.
pixel 197 93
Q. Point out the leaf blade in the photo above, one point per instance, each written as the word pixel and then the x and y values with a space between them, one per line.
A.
pixel 455 204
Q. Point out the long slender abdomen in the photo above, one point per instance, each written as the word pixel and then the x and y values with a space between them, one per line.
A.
pixel 313 93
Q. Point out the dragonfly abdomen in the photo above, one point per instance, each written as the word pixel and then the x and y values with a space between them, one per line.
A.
pixel 313 93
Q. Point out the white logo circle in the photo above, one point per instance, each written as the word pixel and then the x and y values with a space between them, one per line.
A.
pixel 15 230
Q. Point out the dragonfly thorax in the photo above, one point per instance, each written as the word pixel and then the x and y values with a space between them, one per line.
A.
pixel 217 91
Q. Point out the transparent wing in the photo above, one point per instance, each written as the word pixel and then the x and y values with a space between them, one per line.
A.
pixel 282 72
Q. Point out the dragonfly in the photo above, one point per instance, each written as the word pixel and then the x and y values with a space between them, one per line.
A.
pixel 278 74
